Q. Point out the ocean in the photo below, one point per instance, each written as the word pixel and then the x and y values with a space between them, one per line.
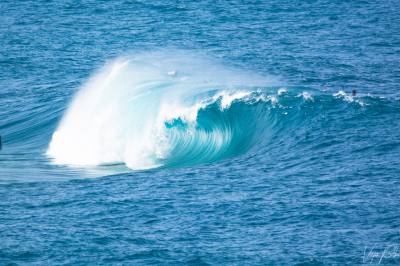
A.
pixel 199 132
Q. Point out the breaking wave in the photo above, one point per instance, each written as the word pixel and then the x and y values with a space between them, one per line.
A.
pixel 152 110
pixel 176 109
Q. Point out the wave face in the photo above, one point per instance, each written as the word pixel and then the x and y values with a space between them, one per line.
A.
pixel 151 109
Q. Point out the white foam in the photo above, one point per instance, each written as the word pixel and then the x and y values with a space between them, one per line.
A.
pixel 348 98
pixel 282 91
pixel 342 94
pixel 228 97
pixel 306 96
pixel 172 73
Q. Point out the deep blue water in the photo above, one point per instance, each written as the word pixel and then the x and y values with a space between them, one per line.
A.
pixel 199 133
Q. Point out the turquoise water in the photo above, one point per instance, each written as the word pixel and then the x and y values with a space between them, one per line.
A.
pixel 199 133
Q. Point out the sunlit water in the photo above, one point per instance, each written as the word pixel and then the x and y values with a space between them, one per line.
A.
pixel 199 133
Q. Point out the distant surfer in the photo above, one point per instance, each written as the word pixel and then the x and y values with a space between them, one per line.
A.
pixel 354 93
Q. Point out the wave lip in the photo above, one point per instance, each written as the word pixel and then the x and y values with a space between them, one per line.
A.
pixel 159 109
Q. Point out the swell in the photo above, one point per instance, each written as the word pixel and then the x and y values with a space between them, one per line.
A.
pixel 161 110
